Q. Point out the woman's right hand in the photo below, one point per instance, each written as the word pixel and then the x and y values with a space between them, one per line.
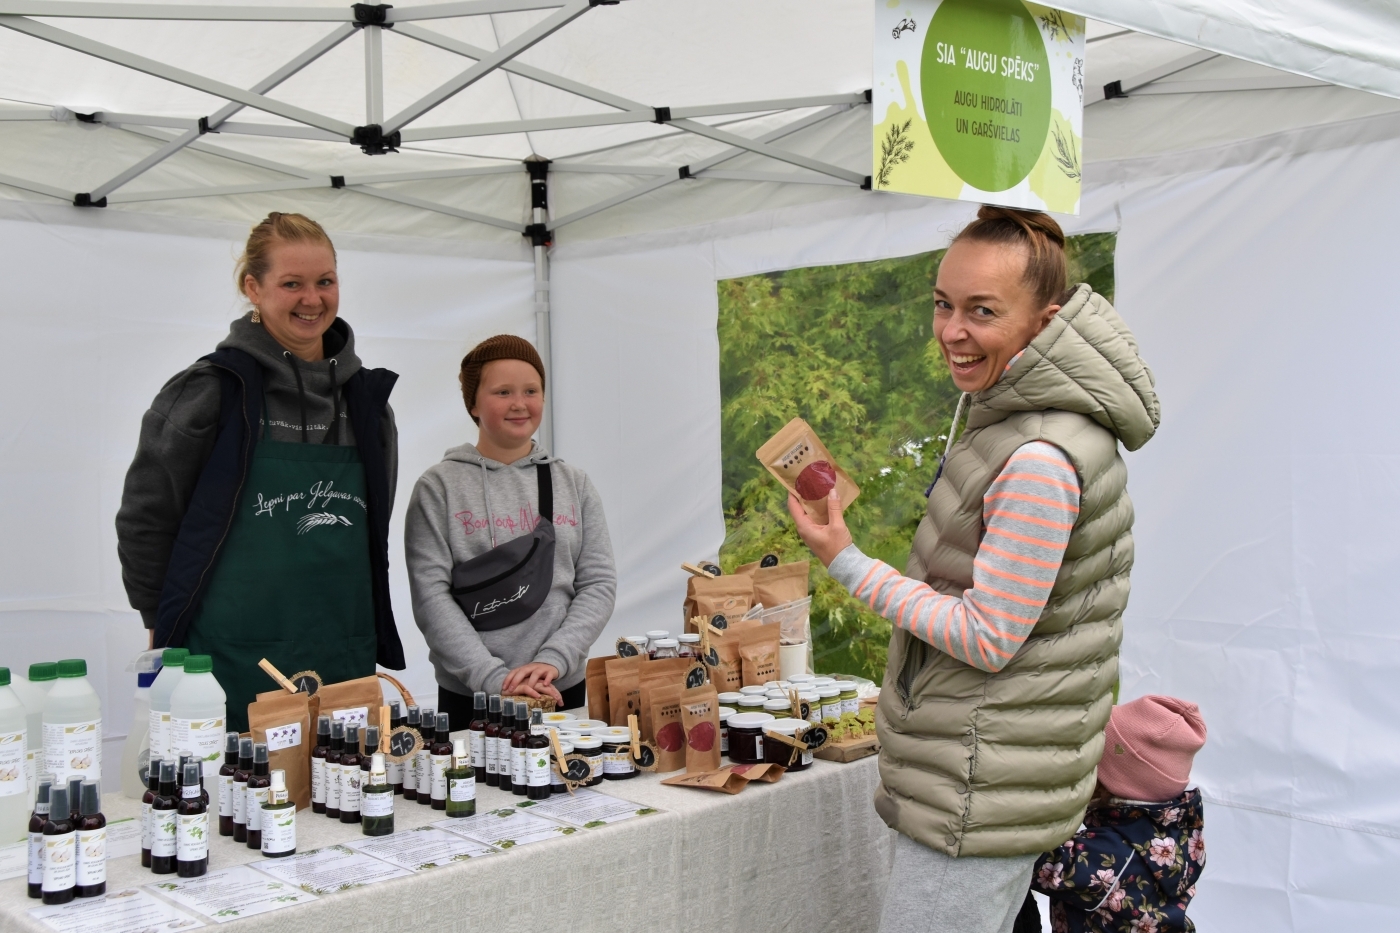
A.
pixel 826 541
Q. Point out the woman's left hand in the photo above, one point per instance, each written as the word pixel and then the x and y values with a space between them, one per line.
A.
pixel 533 680
pixel 826 541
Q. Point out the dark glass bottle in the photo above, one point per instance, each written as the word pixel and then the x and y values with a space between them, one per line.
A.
pixel 423 762
pixel 226 784
pixel 164 821
pixel 504 754
pixel 493 729
pixel 60 849
pixel 476 732
pixel 377 804
pixel 537 758
pixel 410 774
pixel 350 776
pixel 75 799
pixel 393 771
pixel 37 819
pixel 333 769
pixel 258 784
pixel 192 825
pixel 279 819
pixel 91 843
pixel 152 786
pixel 240 790
pixel 186 758
pixel 440 762
pixel 367 762
pixel 461 782
pixel 318 764
pixel 519 785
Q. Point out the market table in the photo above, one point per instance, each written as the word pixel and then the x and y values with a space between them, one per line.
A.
pixel 805 854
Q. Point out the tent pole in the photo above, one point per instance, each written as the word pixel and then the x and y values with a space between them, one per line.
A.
pixel 374 74
pixel 538 231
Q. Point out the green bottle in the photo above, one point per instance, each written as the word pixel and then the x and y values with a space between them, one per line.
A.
pixel 461 782
pixel 377 801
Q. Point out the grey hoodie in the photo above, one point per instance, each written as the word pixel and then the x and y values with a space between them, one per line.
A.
pixel 178 432
pixel 466 505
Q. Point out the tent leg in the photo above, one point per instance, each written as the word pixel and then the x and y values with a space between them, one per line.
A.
pixel 542 337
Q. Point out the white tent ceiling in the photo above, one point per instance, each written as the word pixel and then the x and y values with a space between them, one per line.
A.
pixel 744 70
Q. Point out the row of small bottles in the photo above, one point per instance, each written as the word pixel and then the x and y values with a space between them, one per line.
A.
pixel 67 841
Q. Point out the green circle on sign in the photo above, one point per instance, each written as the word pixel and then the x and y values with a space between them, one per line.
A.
pixel 985 81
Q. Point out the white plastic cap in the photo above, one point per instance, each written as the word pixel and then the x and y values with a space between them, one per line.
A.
pixel 279 780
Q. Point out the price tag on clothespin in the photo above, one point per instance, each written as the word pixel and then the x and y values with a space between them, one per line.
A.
pixel 799 710
pixel 696 676
pixel 401 744
pixel 308 682
pixel 709 570
pixel 573 769
pixel 643 753
pixel 277 675
pixel 709 655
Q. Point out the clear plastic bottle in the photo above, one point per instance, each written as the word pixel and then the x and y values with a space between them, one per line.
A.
pixel 136 754
pixel 172 669
pixel 198 708
pixel 14 777
pixel 32 693
pixel 73 726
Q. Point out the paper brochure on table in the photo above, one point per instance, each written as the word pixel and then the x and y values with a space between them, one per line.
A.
pixel 334 868
pixel 587 809
pixel 422 849
pixel 506 828
pixel 129 911
pixel 231 893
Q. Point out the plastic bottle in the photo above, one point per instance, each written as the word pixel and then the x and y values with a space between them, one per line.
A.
pixel 32 692
pixel 136 753
pixel 158 728
pixel 198 708
pixel 377 804
pixel 240 789
pixel 279 819
pixel 164 820
pixel 259 783
pixel 461 781
pixel 192 825
pixel 91 842
pixel 14 776
pixel 439 763
pixel 73 726
pixel 350 775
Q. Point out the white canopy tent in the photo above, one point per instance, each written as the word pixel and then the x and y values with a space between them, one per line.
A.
pixel 1254 149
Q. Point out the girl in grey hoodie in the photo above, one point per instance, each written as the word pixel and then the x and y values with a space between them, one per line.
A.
pixel 483 495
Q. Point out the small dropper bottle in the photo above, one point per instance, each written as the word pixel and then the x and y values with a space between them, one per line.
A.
pixel 240 790
pixel 333 769
pixel 491 774
pixel 60 849
pixel 165 820
pixel 258 783
pixel 279 819
pixel 520 779
pixel 477 731
pixel 505 755
pixel 92 843
pixel 423 762
pixel 36 837
pixel 394 770
pixel 440 761
pixel 461 781
pixel 377 806
pixel 226 783
pixel 350 776
pixel 410 770
pixel 318 764
pixel 367 762
pixel 537 758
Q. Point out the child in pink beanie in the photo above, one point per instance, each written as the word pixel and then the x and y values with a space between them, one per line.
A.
pixel 1133 867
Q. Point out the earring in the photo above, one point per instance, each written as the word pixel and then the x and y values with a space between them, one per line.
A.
pixel 257 315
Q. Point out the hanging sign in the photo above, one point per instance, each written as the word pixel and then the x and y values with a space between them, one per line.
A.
pixel 979 100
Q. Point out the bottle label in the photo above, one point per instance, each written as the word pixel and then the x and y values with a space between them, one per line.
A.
pixel 226 795
pixel 350 790
pixel 851 706
pixel 806 758
pixel 439 765
pixel 758 747
pixel 478 745
pixel 355 716
pixel 332 785
pixel 257 796
pixel 520 769
pixel 460 790
pixel 490 744
pixel 279 829
pixel 537 767
pixel 163 823
pixel 423 768
pixel 831 711
pixel 190 791
pixel 159 726
pixel 36 858
pixel 240 802
pixel 73 749
pixel 410 774
pixel 146 826
pixel 60 861
pixel 618 763
pixel 393 772
pixel 13 773
pixel 192 843
pixel 204 738
pixel 318 780
pixel 377 803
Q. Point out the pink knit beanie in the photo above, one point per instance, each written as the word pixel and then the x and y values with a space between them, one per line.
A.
pixel 1148 748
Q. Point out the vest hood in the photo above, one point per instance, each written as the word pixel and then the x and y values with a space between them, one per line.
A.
pixel 1085 361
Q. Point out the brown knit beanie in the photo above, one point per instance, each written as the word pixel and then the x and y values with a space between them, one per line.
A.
pixel 499 347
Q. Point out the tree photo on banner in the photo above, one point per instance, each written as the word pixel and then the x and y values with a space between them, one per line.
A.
pixel 849 348
pixel 979 100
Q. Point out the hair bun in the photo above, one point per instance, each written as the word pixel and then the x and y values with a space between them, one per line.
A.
pixel 1034 231
pixel 1030 221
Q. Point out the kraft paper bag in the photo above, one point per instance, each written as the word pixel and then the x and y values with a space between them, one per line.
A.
pixel 284 722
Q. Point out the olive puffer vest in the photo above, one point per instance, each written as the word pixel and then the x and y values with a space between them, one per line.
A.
pixel 1003 764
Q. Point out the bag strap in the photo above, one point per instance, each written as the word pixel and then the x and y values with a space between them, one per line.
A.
pixel 546 486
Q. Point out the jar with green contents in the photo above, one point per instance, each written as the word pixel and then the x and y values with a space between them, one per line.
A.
pixel 751 704
pixel 850 696
pixel 812 701
pixel 831 704
pixel 730 699
pixel 778 707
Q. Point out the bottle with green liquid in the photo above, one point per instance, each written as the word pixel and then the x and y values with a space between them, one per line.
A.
pixel 377 801
pixel 461 782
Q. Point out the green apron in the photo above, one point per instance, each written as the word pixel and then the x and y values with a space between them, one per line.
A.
pixel 292 582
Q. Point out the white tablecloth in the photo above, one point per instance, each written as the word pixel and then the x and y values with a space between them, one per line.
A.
pixel 807 854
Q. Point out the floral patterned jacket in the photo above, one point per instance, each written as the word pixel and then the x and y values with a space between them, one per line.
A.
pixel 1132 868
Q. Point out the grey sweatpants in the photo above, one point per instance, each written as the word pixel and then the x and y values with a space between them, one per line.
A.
pixel 931 892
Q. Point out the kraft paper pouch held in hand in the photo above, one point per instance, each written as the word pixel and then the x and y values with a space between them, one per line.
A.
pixel 667 730
pixel 283 720
pixel 758 649
pixel 352 701
pixel 700 716
pixel 801 462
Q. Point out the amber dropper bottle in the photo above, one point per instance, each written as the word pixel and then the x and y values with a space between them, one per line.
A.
pixel 226 783
pixel 350 776
pixel 258 784
pixel 520 781
pixel 240 790
pixel 537 758
pixel 493 729
pixel 505 755
pixel 318 764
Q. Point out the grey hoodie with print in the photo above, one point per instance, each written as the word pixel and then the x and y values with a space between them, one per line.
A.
pixel 467 504
pixel 178 433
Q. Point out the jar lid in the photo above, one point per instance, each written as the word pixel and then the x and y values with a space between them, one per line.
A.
pixel 847 686
pixel 559 718
pixel 658 633
pixel 608 733
pixel 749 720
pixel 809 695
pixel 780 704
pixel 666 643
pixel 726 711
pixel 729 699
pixel 588 725
pixel 787 726
pixel 772 685
pixel 587 743
pixel 639 640
pixel 753 691
pixel 823 679
pixel 776 694
pixel 826 693
pixel 752 702
pixel 690 638
pixel 802 678
pixel 566 747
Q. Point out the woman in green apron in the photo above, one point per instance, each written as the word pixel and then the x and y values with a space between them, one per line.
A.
pixel 254 519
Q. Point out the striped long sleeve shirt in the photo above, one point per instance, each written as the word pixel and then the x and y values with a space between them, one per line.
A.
pixel 1027 515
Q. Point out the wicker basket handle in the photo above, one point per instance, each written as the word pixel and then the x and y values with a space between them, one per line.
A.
pixel 398 685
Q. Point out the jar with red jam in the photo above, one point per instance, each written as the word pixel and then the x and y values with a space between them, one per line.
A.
pixel 780 753
pixel 746 737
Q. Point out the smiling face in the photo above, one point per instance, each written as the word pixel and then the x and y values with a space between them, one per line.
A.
pixel 509 405
pixel 298 297
pixel 984 314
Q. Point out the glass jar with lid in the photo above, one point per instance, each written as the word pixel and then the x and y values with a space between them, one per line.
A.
pixel 724 713
pixel 751 704
pixel 746 737
pixel 831 704
pixel 781 706
pixel 753 691
pixel 665 648
pixel 850 696
pixel 556 782
pixel 689 645
pixel 730 699
pixel 653 637
pixel 780 753
pixel 591 747
pixel 617 758
pixel 813 703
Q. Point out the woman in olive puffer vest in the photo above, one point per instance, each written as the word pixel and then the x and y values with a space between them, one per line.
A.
pixel 1008 620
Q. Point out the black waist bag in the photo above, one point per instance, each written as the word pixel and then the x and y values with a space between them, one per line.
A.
pixel 508 584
